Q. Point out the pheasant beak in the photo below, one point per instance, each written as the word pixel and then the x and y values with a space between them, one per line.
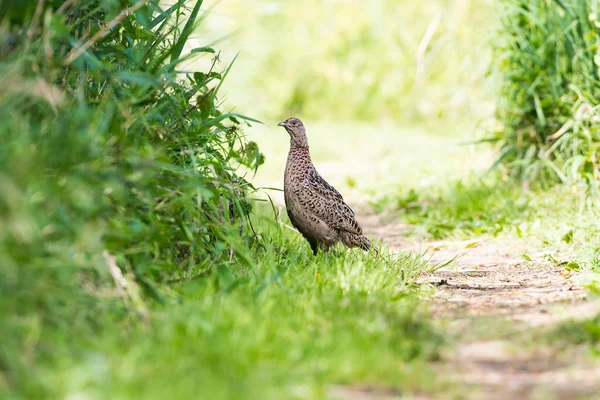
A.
pixel 282 124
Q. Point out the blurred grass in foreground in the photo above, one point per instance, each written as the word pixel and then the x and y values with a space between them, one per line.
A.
pixel 349 60
pixel 290 326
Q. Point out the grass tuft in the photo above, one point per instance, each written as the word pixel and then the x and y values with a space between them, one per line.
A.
pixel 547 58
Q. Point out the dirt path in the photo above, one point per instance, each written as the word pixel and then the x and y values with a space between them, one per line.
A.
pixel 495 303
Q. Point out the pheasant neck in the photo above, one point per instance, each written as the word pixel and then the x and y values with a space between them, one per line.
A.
pixel 299 141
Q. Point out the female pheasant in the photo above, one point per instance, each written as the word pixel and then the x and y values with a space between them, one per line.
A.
pixel 315 208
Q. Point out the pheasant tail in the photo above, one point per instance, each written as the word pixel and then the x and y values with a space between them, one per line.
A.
pixel 354 240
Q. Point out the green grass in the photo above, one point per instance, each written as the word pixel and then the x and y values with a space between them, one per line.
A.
pixel 546 59
pixel 287 327
pixel 493 207
pixel 465 208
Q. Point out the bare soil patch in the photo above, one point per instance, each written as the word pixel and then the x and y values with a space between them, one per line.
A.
pixel 490 298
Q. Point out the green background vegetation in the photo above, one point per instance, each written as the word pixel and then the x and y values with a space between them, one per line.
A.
pixel 136 259
pixel 548 61
pixel 403 61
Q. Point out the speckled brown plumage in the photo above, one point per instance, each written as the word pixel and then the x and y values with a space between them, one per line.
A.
pixel 315 208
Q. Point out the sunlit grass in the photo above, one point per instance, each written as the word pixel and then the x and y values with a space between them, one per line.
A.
pixel 290 323
pixel 558 221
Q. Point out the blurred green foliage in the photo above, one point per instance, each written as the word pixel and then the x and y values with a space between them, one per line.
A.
pixel 341 60
pixel 577 332
pixel 110 156
pixel 547 58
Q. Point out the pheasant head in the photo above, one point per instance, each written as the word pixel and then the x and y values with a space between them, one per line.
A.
pixel 295 128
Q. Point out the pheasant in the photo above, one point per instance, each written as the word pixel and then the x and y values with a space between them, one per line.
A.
pixel 315 207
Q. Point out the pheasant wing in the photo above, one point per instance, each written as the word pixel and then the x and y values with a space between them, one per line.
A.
pixel 328 204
